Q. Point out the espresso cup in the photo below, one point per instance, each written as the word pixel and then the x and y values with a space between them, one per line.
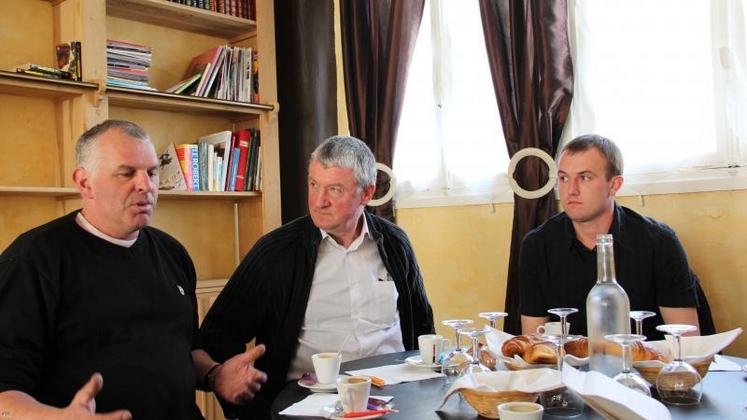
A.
pixel 353 392
pixel 552 328
pixel 326 367
pixel 520 410
pixel 431 346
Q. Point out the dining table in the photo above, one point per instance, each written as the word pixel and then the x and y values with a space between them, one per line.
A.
pixel 724 395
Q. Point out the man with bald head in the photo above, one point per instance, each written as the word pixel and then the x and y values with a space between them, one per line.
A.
pixel 98 294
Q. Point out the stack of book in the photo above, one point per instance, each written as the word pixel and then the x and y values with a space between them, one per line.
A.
pixel 240 8
pixel 43 71
pixel 225 72
pixel 127 65
pixel 224 161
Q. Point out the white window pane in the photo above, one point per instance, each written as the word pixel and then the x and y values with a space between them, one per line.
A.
pixel 644 77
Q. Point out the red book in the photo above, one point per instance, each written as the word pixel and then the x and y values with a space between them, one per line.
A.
pixel 244 137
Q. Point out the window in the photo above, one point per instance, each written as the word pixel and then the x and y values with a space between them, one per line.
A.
pixel 450 141
pixel 666 80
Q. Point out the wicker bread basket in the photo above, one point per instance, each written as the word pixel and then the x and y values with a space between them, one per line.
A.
pixel 650 373
pixel 486 403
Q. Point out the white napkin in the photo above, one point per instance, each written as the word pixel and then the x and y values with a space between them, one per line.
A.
pixel 611 399
pixel 394 374
pixel 314 405
pixel 529 381
pixel 694 349
pixel 721 363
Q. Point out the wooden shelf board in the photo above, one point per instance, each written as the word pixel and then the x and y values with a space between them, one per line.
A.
pixel 192 195
pixel 25 85
pixel 38 191
pixel 133 98
pixel 69 192
pixel 178 16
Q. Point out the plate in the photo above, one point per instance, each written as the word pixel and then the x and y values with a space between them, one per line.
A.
pixel 317 387
pixel 331 412
pixel 418 362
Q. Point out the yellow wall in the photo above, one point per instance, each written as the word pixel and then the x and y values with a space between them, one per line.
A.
pixel 463 252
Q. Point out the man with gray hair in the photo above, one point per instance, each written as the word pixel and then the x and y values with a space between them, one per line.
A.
pixel 338 279
pixel 99 294
pixel 557 265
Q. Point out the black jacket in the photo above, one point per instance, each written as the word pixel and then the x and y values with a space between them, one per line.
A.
pixel 266 298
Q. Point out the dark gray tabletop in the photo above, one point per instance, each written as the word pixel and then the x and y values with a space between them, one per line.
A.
pixel 724 396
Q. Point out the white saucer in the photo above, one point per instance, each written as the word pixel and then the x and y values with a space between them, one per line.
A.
pixel 330 409
pixel 418 362
pixel 317 387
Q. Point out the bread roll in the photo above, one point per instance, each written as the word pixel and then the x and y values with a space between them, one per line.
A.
pixel 516 346
pixel 578 348
pixel 540 353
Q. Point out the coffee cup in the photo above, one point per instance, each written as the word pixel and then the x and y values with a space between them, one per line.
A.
pixel 552 328
pixel 520 410
pixel 326 367
pixel 353 392
pixel 431 346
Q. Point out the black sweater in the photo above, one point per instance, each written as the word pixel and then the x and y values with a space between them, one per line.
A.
pixel 72 304
pixel 267 295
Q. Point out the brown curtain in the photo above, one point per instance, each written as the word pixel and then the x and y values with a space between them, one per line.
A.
pixel 378 38
pixel 530 61
pixel 307 92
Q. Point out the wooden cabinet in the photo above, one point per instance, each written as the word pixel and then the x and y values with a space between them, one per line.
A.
pixel 43 118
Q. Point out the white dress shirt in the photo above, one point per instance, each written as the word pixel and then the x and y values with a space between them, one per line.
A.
pixel 353 301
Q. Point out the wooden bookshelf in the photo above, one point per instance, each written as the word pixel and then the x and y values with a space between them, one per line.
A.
pixel 55 192
pixel 69 192
pixel 25 85
pixel 179 16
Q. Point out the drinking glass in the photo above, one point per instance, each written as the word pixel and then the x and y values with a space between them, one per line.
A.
pixel 456 360
pixel 628 377
pixel 678 383
pixel 492 317
pixel 562 402
pixel 475 366
pixel 639 316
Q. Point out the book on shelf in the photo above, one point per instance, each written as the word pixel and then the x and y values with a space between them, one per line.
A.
pixel 43 71
pixel 225 72
pixel 184 86
pixel 239 8
pixel 170 174
pixel 244 138
pixel 188 160
pixel 69 59
pixel 221 143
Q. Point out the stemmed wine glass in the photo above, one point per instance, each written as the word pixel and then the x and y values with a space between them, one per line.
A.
pixel 456 360
pixel 628 377
pixel 678 383
pixel 475 366
pixel 639 316
pixel 492 317
pixel 561 402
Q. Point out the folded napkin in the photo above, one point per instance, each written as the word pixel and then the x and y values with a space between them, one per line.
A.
pixel 314 405
pixel 611 399
pixel 694 349
pixel 394 374
pixel 529 381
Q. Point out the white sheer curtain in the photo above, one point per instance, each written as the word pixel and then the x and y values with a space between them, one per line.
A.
pixel 450 139
pixel 653 76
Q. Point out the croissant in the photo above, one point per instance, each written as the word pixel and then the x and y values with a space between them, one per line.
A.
pixel 638 351
pixel 516 346
pixel 578 348
pixel 540 353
